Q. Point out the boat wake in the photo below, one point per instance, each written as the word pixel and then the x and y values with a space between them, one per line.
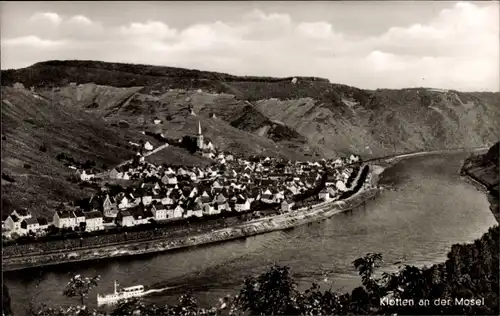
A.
pixel 150 291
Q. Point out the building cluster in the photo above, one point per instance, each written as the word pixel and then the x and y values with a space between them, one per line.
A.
pixel 22 222
pixel 167 193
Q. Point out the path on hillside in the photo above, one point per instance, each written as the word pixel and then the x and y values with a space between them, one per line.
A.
pixel 149 153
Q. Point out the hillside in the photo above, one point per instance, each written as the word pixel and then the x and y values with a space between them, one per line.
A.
pixel 321 118
pixel 484 169
pixel 174 106
pixel 34 132
pixel 89 110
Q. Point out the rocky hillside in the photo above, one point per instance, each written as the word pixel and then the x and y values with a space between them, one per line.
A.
pixel 35 131
pixel 90 110
pixel 484 169
pixel 310 114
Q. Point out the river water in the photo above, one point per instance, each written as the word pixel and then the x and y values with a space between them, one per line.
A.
pixel 428 209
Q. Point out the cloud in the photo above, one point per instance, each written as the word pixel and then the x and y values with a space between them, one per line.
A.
pixel 457 49
pixel 51 17
pixel 151 30
pixel 320 30
pixel 31 41
pixel 80 19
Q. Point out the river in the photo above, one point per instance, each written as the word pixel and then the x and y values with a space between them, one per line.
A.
pixel 428 208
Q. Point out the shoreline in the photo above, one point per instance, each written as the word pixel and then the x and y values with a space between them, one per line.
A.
pixel 466 176
pixel 259 226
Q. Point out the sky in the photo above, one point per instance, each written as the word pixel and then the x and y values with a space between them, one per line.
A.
pixel 366 44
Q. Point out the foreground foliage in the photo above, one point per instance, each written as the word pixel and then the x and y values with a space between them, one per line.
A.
pixel 471 271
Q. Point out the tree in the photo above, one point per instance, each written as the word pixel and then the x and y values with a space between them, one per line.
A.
pixel 272 293
pixel 80 287
pixel 366 266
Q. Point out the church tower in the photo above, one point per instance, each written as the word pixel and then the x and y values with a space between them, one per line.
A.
pixel 199 137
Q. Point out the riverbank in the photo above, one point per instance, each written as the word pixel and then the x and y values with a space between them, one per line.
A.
pixel 258 226
pixel 482 172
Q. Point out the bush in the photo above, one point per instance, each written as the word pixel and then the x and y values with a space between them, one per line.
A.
pixel 27 166
pixel 43 148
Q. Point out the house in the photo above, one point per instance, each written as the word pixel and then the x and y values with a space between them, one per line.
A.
pixel 124 203
pixel 196 211
pixel 169 179
pixel 178 211
pixel 79 217
pixel 170 171
pixel 107 204
pixel 43 224
pixel 286 206
pixel 30 225
pixel 209 146
pixel 341 186
pixel 159 211
pixel 330 180
pixel 346 173
pixel 278 196
pixel 141 216
pixel 84 176
pixel 353 158
pixel 94 221
pixel 167 201
pixel 22 214
pixel 64 219
pixel 157 121
pixel 267 197
pixel 125 219
pixel 147 199
pixel 111 212
pixel 156 187
pixel 207 153
pixel 209 210
pixel 242 204
pixel 13 223
pixel 324 194
pixel 216 185
pixel 114 174
pixel 148 146
pixel 221 199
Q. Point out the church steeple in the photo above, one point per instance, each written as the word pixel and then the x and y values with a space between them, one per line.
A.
pixel 199 137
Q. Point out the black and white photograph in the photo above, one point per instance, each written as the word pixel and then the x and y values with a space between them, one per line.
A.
pixel 237 158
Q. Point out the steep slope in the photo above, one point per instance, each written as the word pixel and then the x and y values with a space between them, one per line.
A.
pixel 484 169
pixel 309 113
pixel 391 121
pixel 174 106
pixel 34 132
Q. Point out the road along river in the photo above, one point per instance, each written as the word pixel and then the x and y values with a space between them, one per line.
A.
pixel 426 209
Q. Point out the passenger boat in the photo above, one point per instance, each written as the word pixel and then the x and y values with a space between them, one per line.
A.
pixel 122 294
pixel 126 293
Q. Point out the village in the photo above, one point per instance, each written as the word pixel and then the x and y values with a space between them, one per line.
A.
pixel 159 193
